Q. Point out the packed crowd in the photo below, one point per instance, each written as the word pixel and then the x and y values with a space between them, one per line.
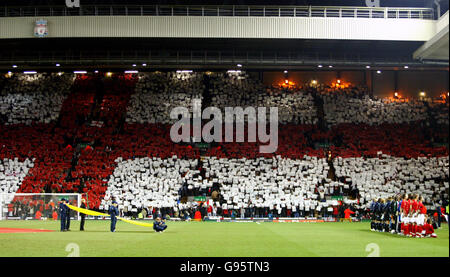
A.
pixel 345 109
pixel 12 173
pixel 439 112
pixel 239 90
pixel 27 99
pixel 89 151
pixel 156 94
pixel 149 182
pixel 284 186
pixel 150 97
pixel 37 206
pixel 42 144
pixel 384 176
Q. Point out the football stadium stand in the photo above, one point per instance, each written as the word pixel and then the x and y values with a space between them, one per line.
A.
pixel 109 137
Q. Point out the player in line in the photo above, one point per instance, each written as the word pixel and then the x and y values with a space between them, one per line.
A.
pixel 382 211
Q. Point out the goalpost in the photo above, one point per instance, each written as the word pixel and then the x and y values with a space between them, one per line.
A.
pixel 26 206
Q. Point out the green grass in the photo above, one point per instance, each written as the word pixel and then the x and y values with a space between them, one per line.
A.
pixel 211 239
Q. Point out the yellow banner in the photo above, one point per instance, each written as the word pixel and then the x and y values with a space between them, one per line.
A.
pixel 94 213
pixel 136 222
pixel 85 211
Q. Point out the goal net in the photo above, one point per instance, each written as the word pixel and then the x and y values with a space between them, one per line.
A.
pixel 40 206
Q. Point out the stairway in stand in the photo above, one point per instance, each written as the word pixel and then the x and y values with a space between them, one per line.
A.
pixel 332 171
pixel 318 102
pixel 207 97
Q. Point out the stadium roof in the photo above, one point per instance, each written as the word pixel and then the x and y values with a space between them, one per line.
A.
pixel 390 3
pixel 437 48
pixel 298 53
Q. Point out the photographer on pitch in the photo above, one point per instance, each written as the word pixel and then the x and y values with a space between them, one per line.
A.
pixel 159 225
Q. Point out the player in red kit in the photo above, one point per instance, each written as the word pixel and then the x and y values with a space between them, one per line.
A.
pixel 429 230
pixel 414 212
pixel 405 215
pixel 421 218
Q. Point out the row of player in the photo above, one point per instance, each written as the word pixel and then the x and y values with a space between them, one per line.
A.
pixel 405 215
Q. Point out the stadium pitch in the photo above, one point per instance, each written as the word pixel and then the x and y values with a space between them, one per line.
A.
pixel 213 239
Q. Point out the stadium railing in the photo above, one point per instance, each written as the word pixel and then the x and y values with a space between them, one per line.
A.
pixel 234 11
